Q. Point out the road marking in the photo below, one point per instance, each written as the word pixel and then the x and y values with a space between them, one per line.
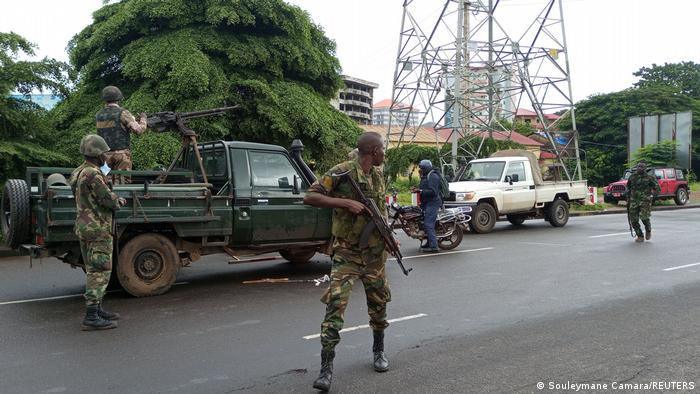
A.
pixel 64 296
pixel 681 266
pixel 419 256
pixel 367 325
pixel 608 235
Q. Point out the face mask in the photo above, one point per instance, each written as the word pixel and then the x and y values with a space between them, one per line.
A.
pixel 105 169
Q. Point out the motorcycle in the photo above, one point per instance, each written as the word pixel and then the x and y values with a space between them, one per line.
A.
pixel 449 226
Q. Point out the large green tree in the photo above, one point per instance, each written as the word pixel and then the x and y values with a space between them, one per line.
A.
pixel 265 55
pixel 25 136
pixel 683 77
pixel 602 124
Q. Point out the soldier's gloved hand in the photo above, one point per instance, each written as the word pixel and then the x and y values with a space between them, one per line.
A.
pixel 121 201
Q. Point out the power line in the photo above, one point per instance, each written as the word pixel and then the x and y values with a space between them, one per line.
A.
pixel 598 143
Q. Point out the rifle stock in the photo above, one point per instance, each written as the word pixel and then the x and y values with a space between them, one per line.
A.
pixel 378 222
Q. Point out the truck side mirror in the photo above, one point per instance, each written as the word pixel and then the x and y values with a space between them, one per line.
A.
pixel 514 178
pixel 296 189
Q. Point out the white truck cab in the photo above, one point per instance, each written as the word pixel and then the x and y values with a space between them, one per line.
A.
pixel 512 186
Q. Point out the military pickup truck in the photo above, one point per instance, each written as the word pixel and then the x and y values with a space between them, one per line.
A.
pixel 249 201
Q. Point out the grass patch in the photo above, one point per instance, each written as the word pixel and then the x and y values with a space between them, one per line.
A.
pixel 586 208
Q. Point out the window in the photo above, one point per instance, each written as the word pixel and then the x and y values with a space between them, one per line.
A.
pixel 659 174
pixel 680 175
pixel 517 168
pixel 484 171
pixel 271 169
pixel 670 173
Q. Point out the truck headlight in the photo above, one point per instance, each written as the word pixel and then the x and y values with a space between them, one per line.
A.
pixel 464 196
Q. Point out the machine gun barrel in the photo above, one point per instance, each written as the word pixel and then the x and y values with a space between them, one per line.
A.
pixel 162 121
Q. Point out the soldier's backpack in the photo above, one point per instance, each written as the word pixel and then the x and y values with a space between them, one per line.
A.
pixel 444 186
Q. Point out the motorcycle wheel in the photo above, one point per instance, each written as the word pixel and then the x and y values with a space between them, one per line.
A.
pixel 453 240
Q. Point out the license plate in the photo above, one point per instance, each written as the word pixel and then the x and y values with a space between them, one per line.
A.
pixel 616 194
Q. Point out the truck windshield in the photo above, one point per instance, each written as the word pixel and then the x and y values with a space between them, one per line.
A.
pixel 484 171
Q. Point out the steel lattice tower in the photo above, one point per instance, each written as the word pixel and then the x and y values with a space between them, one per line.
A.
pixel 463 71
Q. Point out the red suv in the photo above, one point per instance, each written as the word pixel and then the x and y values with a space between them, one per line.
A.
pixel 673 184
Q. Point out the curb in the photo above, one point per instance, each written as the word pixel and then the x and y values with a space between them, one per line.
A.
pixel 7 252
pixel 624 211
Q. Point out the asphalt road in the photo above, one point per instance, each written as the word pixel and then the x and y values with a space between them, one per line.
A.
pixel 572 308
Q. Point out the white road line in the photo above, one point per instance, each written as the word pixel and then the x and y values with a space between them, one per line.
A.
pixel 681 266
pixel 608 235
pixel 63 296
pixel 419 256
pixel 367 325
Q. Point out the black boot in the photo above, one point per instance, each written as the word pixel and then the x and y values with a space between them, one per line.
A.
pixel 323 382
pixel 381 364
pixel 93 321
pixel 107 315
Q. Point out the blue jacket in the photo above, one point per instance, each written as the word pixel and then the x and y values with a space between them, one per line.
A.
pixel 430 188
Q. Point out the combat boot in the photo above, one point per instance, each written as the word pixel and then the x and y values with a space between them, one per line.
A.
pixel 381 364
pixel 639 239
pixel 323 382
pixel 648 235
pixel 93 321
pixel 106 314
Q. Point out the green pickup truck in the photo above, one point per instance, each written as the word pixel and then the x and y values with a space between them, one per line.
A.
pixel 251 203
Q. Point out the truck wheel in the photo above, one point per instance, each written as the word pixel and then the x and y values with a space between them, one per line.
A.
pixel 453 240
pixel 298 256
pixel 681 196
pixel 484 218
pixel 16 213
pixel 148 265
pixel 558 213
pixel 516 220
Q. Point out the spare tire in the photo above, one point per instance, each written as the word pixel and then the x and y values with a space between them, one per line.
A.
pixel 16 213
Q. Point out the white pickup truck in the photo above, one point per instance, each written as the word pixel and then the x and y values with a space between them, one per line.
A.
pixel 512 185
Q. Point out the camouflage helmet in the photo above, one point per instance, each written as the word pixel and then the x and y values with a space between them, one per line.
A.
pixel 112 94
pixel 93 145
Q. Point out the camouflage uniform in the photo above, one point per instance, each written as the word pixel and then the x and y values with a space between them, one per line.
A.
pixel 114 125
pixel 350 263
pixel 641 188
pixel 93 226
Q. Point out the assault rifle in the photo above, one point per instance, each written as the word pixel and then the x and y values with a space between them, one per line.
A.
pixel 378 222
pixel 168 120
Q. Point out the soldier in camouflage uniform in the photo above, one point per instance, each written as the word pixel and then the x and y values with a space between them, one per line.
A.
pixel 115 124
pixel 350 262
pixel 93 226
pixel 641 188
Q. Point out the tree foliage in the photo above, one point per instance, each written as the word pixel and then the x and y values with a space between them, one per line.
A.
pixel 183 55
pixel 518 126
pixel 602 124
pixel 25 137
pixel 404 159
pixel 661 154
pixel 683 78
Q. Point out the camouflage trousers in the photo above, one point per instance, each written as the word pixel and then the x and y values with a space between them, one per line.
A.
pixel 640 210
pixel 97 256
pixel 119 160
pixel 345 271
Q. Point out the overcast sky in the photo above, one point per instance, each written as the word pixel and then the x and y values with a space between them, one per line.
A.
pixel 607 39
